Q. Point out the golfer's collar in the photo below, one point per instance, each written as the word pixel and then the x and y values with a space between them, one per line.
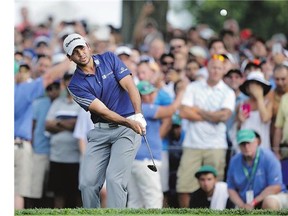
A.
pixel 96 61
pixel 97 64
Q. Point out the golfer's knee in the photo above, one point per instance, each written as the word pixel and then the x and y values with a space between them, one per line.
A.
pixel 271 202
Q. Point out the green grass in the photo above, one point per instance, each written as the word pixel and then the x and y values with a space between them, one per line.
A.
pixel 144 212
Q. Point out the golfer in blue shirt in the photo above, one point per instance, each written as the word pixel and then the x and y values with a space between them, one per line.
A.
pixel 103 85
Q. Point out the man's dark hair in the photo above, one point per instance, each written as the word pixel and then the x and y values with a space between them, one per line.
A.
pixel 224 32
pixel 215 40
pixel 164 55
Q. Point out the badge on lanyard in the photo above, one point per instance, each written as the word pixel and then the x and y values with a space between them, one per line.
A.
pixel 249 196
pixel 250 176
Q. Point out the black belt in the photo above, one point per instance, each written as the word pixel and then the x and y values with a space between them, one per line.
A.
pixel 105 125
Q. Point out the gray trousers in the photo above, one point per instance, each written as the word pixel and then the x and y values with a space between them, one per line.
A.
pixel 110 153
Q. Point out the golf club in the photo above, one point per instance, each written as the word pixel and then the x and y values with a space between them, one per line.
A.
pixel 151 167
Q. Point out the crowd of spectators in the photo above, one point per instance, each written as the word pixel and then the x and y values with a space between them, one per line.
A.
pixel 208 98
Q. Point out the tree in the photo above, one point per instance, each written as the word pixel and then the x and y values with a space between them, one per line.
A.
pixel 131 11
pixel 264 18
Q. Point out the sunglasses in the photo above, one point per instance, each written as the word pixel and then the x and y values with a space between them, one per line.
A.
pixel 176 47
pixel 167 63
pixel 53 87
pixel 218 57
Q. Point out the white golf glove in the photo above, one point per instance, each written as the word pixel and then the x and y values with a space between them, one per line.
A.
pixel 139 118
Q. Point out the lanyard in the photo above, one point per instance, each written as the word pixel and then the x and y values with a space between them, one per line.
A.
pixel 255 163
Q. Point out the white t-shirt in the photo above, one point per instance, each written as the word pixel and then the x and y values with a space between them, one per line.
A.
pixel 204 134
pixel 83 125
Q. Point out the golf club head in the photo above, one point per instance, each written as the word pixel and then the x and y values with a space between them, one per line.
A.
pixel 152 167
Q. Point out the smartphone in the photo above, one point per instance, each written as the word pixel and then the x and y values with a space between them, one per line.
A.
pixel 246 108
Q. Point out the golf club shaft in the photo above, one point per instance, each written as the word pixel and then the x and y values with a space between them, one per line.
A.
pixel 149 149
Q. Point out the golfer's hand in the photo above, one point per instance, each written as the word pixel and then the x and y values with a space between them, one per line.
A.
pixel 140 119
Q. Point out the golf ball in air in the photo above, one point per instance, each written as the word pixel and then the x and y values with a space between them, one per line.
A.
pixel 223 12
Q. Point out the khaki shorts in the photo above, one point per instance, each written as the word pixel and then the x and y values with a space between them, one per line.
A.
pixel 23 168
pixel 191 161
pixel 40 168
pixel 282 199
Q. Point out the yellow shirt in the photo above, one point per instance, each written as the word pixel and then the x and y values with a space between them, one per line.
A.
pixel 282 117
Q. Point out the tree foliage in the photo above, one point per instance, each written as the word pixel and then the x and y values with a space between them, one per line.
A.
pixel 264 18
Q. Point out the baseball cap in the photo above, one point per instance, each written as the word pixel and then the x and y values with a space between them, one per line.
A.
pixel 72 41
pixel 206 33
pixel 144 87
pixel 245 135
pixel 230 57
pixel 58 58
pixel 206 169
pixel 123 50
pixel 234 70
pixel 41 40
pixel 254 62
pixel 198 52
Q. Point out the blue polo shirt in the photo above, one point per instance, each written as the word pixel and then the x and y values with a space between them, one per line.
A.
pixel 104 85
pixel 24 95
pixel 41 142
pixel 152 134
pixel 268 173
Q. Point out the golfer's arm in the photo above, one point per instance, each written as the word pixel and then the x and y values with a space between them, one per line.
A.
pixel 128 84
pixel 100 109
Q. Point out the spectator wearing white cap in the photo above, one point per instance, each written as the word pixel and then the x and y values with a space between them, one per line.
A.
pixel 200 54
pixel 42 45
pixel 125 53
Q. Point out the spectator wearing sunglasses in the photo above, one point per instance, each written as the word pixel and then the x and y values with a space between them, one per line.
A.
pixel 179 48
